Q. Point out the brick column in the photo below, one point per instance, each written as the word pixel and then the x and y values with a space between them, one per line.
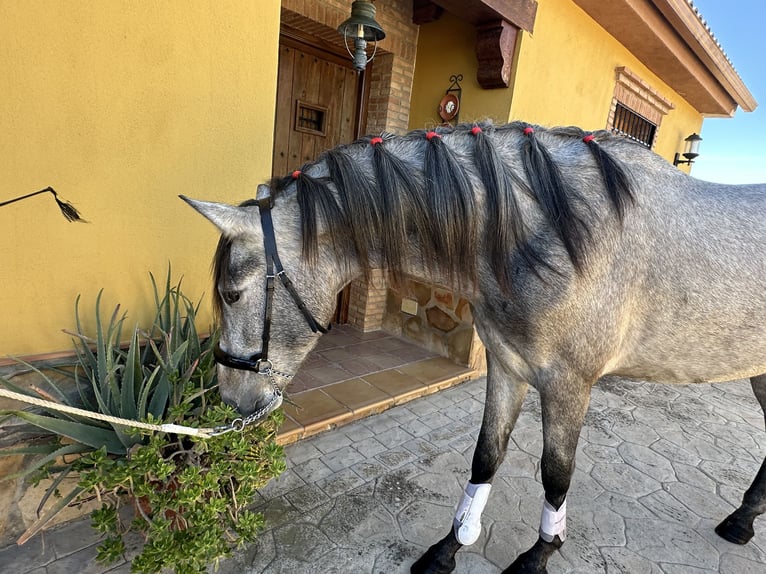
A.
pixel 367 303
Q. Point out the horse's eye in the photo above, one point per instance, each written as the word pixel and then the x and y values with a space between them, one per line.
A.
pixel 230 297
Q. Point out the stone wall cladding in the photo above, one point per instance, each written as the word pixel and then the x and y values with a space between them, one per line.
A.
pixel 443 323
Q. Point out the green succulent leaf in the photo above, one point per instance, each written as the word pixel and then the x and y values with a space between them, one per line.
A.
pixel 84 434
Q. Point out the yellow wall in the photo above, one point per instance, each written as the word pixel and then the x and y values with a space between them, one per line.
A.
pixel 564 74
pixel 446 48
pixel 121 106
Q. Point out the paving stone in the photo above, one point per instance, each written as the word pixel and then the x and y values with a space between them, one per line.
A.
pixel 738 474
pixel 278 511
pixel 357 431
pixel 380 423
pixel 474 563
pixel 358 520
pixel 284 483
pixel 369 447
pixel 424 523
pixel 301 452
pixel 395 457
pixel 624 478
pixel 600 453
pixel 647 461
pixel 393 437
pixel 652 481
pixel 370 469
pixel 330 442
pixel 423 408
pixel 307 497
pixel 699 501
pixel 302 542
pixel 620 560
pixel 675 453
pixel 507 540
pixel 693 476
pixel 422 447
pixel 396 558
pixel 30 556
pixel 416 428
pixel 663 505
pixel 313 470
pixel 737 565
pixel 340 482
pixel 342 458
pixel 346 560
pixel 673 543
pixel 83 562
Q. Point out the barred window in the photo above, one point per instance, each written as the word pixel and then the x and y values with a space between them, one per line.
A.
pixel 633 125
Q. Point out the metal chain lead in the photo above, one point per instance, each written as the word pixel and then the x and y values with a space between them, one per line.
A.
pixel 239 424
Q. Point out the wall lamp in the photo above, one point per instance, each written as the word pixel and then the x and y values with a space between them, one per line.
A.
pixel 361 27
pixel 692 150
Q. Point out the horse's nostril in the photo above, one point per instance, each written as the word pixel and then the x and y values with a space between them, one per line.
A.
pixel 230 296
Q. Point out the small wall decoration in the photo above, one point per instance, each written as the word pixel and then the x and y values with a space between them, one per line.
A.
pixel 449 106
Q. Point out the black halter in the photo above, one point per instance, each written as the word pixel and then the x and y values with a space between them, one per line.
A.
pixel 259 362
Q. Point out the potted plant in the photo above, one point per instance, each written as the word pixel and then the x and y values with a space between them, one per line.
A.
pixel 189 495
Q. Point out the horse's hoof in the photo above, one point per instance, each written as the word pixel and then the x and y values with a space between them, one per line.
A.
pixel 431 563
pixel 439 559
pixel 534 560
pixel 735 530
pixel 521 566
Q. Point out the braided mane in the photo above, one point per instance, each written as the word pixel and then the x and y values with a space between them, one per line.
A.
pixel 383 193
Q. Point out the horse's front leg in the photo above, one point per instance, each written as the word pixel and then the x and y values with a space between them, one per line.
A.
pixel 501 409
pixel 564 404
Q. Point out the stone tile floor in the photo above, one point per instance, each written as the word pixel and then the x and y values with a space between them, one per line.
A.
pixel 351 375
pixel 657 468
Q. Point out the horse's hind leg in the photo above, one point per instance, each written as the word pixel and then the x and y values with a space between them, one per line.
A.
pixel 501 409
pixel 738 526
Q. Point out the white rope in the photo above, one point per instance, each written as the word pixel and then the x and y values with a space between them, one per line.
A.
pixel 170 428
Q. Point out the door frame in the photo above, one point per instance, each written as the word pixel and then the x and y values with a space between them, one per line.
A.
pixel 299 40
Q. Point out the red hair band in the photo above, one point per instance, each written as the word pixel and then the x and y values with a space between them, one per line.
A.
pixel 376 140
pixel 430 135
pixel 296 174
pixel 475 130
pixel 528 131
pixel 589 138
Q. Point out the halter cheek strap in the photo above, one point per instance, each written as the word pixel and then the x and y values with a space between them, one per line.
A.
pixel 259 362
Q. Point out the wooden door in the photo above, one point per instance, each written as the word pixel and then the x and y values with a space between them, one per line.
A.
pixel 319 104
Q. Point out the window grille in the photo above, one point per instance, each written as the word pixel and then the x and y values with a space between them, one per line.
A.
pixel 310 118
pixel 634 126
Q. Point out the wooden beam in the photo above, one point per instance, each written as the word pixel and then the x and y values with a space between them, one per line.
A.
pixel 495 47
pixel 425 11
pixel 520 13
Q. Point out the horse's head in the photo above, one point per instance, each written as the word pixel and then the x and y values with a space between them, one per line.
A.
pixel 271 304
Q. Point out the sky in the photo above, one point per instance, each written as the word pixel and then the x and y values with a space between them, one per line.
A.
pixel 733 150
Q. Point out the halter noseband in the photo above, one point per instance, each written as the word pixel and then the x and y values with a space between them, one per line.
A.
pixel 259 362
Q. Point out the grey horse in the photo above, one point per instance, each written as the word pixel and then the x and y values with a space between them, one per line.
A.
pixel 583 255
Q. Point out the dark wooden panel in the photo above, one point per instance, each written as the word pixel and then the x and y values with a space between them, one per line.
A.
pixel 281 161
pixel 327 83
pixel 521 13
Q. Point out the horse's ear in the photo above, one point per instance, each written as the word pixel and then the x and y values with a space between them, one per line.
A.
pixel 229 219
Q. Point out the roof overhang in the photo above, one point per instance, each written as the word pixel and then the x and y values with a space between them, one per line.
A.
pixel 670 38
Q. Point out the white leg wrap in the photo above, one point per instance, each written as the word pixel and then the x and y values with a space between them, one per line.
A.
pixel 467 524
pixel 553 522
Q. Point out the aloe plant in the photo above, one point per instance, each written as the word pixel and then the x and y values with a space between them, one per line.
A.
pixel 165 373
